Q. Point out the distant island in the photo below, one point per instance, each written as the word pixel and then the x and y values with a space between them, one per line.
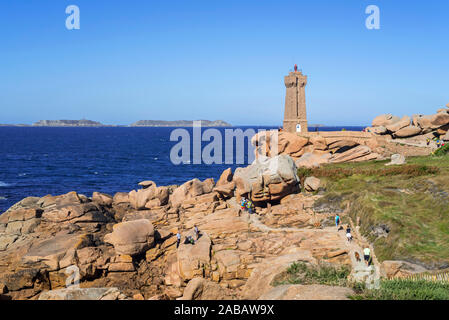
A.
pixel 68 123
pixel 141 123
pixel 179 123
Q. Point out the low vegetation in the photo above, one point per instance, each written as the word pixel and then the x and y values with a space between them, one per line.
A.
pixel 399 289
pixel 403 210
pixel 442 151
pixel 303 273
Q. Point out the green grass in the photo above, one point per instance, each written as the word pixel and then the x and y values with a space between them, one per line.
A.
pixel 303 273
pixel 412 200
pixel 406 290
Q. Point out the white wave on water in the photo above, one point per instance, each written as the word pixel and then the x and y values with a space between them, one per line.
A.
pixel 3 198
pixel 22 174
pixel 2 184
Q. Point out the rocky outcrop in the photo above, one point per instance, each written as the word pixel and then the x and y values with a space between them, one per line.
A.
pixel 399 269
pixel 406 132
pixel 131 237
pixel 307 292
pixel 189 190
pixel 194 259
pixel 359 153
pixel 311 151
pixel 312 160
pixel 225 177
pixel 83 294
pixel 203 289
pixel 384 120
pixel 267 179
pixel 113 242
pixel 149 197
pixel 418 125
pixel 398 125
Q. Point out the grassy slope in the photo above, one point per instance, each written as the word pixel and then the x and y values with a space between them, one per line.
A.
pixel 415 206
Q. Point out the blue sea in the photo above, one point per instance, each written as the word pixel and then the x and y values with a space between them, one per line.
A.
pixel 36 161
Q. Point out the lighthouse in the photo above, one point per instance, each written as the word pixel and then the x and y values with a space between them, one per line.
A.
pixel 295 115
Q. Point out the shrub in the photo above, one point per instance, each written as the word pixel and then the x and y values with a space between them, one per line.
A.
pixel 442 151
pixel 303 273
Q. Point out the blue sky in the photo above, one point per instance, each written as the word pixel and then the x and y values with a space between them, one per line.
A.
pixel 170 60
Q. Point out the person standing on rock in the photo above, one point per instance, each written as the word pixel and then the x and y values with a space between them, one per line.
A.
pixel 243 204
pixel 348 233
pixel 337 220
pixel 367 255
pixel 197 231
pixel 249 205
pixel 178 239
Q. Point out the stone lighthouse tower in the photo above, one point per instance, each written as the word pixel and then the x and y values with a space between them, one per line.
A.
pixel 295 116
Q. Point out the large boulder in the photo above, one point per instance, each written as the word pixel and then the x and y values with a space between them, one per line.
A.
pixel 384 120
pixel 50 252
pixel 225 177
pixel 292 144
pixel 404 122
pixel 121 198
pixel 102 198
pixel 267 179
pixel 351 155
pixel 338 144
pixel 396 159
pixel 76 213
pixel 443 130
pixel 261 279
pixel 50 202
pixel 440 119
pixel 194 259
pixel 287 143
pixel 228 262
pixel 83 294
pixel 225 190
pixel 446 137
pixel 431 122
pixel 140 198
pixel 406 132
pixel 318 142
pixel 189 190
pixel 312 184
pixel 203 289
pixel 131 237
pixel 312 160
pixel 377 130
pixel 397 268
pixel 146 184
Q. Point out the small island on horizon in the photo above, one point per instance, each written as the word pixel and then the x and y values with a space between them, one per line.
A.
pixel 179 123
pixel 140 123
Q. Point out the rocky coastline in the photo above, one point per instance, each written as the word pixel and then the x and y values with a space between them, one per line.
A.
pixel 124 246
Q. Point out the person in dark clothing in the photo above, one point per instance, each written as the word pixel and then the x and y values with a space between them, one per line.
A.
pixel 348 233
pixel 178 239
